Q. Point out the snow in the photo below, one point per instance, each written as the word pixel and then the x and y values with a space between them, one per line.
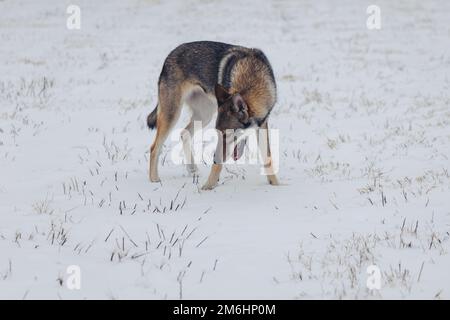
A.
pixel 363 118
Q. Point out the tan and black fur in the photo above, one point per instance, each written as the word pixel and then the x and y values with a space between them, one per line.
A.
pixel 207 76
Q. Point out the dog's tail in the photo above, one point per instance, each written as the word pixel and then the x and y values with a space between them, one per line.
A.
pixel 151 119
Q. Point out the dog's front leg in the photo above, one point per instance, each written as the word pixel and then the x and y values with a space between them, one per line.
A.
pixel 213 178
pixel 264 146
pixel 216 168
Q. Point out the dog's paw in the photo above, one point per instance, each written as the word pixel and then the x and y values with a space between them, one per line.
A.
pixel 209 186
pixel 273 180
pixel 155 179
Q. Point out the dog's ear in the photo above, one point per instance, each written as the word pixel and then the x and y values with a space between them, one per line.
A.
pixel 240 107
pixel 222 94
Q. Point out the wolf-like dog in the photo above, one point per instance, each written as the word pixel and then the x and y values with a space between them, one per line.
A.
pixel 236 82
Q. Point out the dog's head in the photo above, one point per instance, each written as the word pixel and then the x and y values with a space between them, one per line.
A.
pixel 232 118
pixel 232 112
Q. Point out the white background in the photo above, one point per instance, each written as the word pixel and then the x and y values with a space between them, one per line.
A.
pixel 364 157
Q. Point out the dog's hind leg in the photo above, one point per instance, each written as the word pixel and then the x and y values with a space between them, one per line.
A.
pixel 169 109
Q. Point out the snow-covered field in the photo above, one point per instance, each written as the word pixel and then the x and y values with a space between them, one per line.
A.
pixel 364 123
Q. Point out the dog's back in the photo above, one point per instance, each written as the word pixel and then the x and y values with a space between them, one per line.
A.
pixel 209 62
pixel 206 63
pixel 195 61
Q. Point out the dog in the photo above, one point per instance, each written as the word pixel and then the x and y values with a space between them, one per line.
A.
pixel 236 82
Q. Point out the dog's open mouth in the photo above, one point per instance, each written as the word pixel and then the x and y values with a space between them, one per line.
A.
pixel 239 149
